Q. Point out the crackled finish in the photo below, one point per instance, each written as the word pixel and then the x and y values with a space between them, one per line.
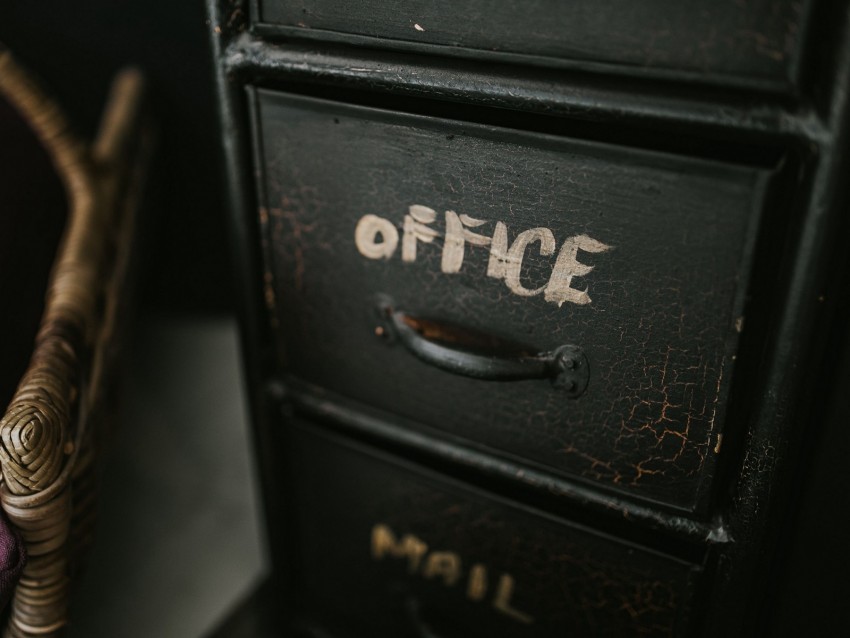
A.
pixel 457 551
pixel 659 332
pixel 756 39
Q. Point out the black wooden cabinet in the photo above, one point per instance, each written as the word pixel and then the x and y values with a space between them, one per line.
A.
pixel 541 306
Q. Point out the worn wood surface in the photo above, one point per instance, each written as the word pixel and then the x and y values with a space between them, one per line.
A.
pixel 755 41
pixel 420 551
pixel 655 301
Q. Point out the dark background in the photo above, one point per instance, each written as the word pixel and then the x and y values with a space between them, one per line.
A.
pixel 75 48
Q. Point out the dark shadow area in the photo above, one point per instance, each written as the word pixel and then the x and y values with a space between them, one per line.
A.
pixel 76 50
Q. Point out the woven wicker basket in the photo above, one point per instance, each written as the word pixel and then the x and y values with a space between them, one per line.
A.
pixel 50 431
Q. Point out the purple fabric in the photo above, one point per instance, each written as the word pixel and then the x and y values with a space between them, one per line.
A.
pixel 13 557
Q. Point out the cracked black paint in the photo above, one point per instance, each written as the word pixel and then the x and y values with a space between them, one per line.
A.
pixel 570 580
pixel 660 331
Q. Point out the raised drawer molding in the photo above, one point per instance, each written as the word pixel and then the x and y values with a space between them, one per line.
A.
pixel 636 258
pixel 721 41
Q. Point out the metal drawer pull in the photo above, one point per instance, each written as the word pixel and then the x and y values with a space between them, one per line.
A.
pixel 480 356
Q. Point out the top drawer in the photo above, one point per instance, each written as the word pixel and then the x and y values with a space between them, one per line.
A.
pixel 405 249
pixel 747 42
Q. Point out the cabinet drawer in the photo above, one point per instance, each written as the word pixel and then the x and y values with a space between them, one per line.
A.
pixel 723 41
pixel 382 547
pixel 404 249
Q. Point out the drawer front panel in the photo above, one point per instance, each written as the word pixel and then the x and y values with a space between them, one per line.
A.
pixel 382 548
pixel 635 258
pixel 722 40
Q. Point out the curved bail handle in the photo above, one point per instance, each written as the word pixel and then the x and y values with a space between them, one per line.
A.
pixel 566 366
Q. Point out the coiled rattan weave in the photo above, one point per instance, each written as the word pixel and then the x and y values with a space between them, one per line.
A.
pixel 49 432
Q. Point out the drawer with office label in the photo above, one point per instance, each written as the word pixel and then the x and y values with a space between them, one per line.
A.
pixel 753 43
pixel 384 548
pixel 570 304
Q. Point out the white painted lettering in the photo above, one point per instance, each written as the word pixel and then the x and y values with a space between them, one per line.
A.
pixel 457 236
pixel 446 566
pixel 377 238
pixel 415 228
pixel 443 564
pixel 410 547
pixel 477 587
pixel 513 262
pixel 497 266
pixel 559 289
pixel 502 601
pixel 369 228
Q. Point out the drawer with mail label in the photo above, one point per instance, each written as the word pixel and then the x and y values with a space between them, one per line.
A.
pixel 384 548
